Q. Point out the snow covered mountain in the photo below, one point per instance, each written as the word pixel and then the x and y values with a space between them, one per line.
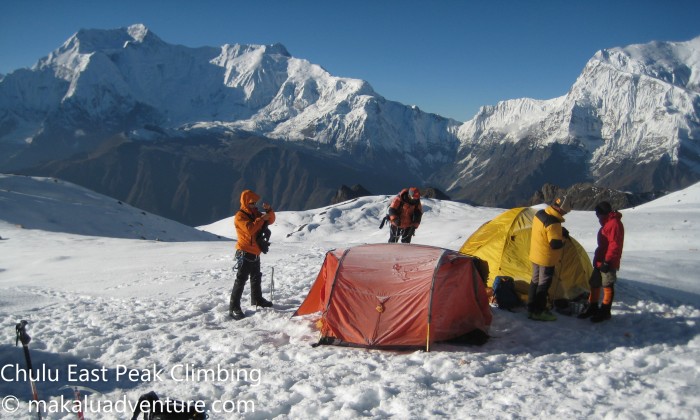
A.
pixel 131 116
pixel 631 121
pixel 104 82
pixel 53 205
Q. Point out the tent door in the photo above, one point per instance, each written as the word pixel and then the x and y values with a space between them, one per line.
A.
pixel 380 308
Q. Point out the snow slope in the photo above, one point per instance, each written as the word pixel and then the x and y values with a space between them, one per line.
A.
pixel 105 303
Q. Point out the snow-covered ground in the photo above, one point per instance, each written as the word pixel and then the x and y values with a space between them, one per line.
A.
pixel 109 290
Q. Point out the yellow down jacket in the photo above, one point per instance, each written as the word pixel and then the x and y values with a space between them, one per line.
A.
pixel 547 238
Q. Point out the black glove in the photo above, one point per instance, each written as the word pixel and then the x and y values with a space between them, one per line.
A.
pixel 565 232
pixel 604 267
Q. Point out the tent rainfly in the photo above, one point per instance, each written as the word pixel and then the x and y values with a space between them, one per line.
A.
pixel 502 246
pixel 397 295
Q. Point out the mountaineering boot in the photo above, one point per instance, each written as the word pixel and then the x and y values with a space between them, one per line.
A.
pixel 256 297
pixel 263 303
pixel 236 314
pixel 591 310
pixel 592 307
pixel 542 316
pixel 603 314
pixel 234 306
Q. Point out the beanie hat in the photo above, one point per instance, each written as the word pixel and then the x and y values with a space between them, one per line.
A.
pixel 603 208
pixel 561 205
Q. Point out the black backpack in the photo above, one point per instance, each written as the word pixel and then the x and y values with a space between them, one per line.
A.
pixel 155 409
pixel 263 238
pixel 504 293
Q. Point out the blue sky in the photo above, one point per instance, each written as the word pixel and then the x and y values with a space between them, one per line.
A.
pixel 445 56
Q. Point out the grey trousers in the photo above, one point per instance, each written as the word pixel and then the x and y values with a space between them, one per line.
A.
pixel 539 288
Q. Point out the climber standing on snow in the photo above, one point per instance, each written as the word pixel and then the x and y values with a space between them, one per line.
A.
pixel 546 247
pixel 405 213
pixel 253 239
pixel 606 262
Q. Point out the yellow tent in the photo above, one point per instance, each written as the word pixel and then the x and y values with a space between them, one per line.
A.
pixel 503 245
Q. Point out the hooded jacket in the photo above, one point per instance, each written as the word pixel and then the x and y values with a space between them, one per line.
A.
pixel 404 212
pixel 547 237
pixel 611 236
pixel 249 222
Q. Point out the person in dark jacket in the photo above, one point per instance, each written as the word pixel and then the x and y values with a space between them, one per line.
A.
pixel 250 223
pixel 405 214
pixel 546 248
pixel 606 262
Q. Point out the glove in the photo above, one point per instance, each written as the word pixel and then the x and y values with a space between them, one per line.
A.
pixel 604 267
pixel 565 232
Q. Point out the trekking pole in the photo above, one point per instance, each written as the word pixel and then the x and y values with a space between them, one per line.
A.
pixel 25 339
pixel 77 398
pixel 272 285
pixel 76 401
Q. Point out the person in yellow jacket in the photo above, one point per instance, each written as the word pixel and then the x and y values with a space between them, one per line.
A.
pixel 253 236
pixel 546 248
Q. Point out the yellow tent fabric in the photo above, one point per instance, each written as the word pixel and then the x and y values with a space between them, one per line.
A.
pixel 503 245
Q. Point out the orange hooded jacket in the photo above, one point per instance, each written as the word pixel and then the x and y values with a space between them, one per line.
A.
pixel 406 214
pixel 247 227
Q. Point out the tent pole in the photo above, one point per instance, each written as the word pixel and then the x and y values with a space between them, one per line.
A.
pixel 427 340
pixel 430 298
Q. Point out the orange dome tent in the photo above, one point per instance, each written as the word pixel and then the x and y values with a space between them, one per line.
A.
pixel 397 295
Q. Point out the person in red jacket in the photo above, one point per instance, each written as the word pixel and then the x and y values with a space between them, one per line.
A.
pixel 251 229
pixel 405 213
pixel 606 262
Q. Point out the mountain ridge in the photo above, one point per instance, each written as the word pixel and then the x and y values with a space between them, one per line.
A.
pixel 629 122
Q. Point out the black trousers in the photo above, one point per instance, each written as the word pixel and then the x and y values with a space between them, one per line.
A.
pixel 249 267
pixel 405 234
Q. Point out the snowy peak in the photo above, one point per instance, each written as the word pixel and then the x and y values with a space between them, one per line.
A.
pixel 677 63
pixel 92 40
pixel 629 122
pixel 138 32
pixel 277 49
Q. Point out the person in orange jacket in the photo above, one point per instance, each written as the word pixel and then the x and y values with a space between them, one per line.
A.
pixel 253 235
pixel 546 248
pixel 606 262
pixel 405 214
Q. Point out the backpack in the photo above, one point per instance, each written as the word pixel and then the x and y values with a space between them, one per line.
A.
pixel 263 236
pixel 386 217
pixel 504 294
pixel 155 409
pixel 415 217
